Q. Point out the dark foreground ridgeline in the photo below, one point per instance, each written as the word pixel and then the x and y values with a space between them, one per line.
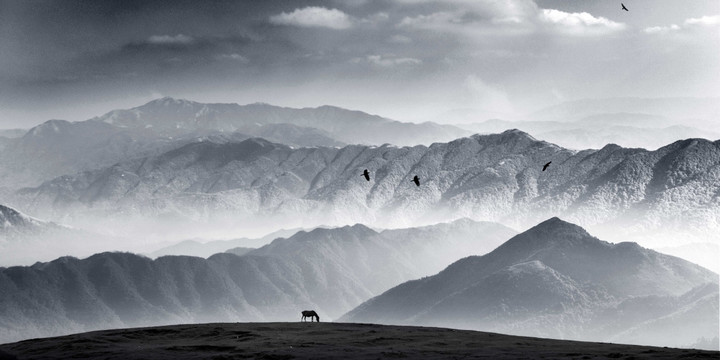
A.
pixel 322 341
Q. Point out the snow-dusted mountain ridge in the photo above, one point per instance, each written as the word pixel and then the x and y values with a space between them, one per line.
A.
pixel 617 192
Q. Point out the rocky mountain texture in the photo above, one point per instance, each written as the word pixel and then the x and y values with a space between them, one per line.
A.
pixel 555 280
pixel 59 147
pixel 616 191
pixel 329 270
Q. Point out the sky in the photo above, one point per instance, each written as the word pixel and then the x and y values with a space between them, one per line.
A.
pixel 409 60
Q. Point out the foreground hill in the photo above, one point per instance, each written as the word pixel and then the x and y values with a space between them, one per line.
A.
pixel 556 280
pixel 322 341
pixel 671 194
pixel 330 270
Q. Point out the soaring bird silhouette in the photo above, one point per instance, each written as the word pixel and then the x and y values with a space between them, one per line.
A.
pixel 416 180
pixel 366 174
pixel 546 165
pixel 623 7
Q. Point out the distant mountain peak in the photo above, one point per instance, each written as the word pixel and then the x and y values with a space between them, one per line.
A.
pixel 359 229
pixel 555 225
pixel 517 132
pixel 50 126
pixel 507 135
pixel 10 217
pixel 550 233
pixel 170 101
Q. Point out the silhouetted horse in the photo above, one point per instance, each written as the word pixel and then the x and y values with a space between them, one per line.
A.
pixel 310 314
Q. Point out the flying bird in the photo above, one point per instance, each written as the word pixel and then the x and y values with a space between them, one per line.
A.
pixel 366 174
pixel 546 165
pixel 416 180
pixel 623 7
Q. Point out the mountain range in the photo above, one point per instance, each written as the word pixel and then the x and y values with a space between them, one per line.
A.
pixel 331 270
pixel 689 111
pixel 198 247
pixel 353 127
pixel 596 131
pixel 555 280
pixel 59 147
pixel 619 193
pixel 133 180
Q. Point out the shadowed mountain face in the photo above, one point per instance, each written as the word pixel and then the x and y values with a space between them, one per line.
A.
pixel 617 192
pixel 555 280
pixel 59 147
pixel 329 270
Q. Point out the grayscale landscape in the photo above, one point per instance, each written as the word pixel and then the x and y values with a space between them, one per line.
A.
pixel 434 179
pixel 323 341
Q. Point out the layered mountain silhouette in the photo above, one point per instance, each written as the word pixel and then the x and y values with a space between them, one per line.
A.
pixel 616 191
pixel 348 126
pixel 648 123
pixel 197 247
pixel 25 239
pixel 329 270
pixel 556 280
pixel 59 147
pixel 596 131
pixel 685 110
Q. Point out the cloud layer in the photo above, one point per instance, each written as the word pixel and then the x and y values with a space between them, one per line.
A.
pixel 313 16
pixel 405 59
pixel 579 23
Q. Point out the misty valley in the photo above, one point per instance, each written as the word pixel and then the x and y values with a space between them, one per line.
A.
pixel 179 212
